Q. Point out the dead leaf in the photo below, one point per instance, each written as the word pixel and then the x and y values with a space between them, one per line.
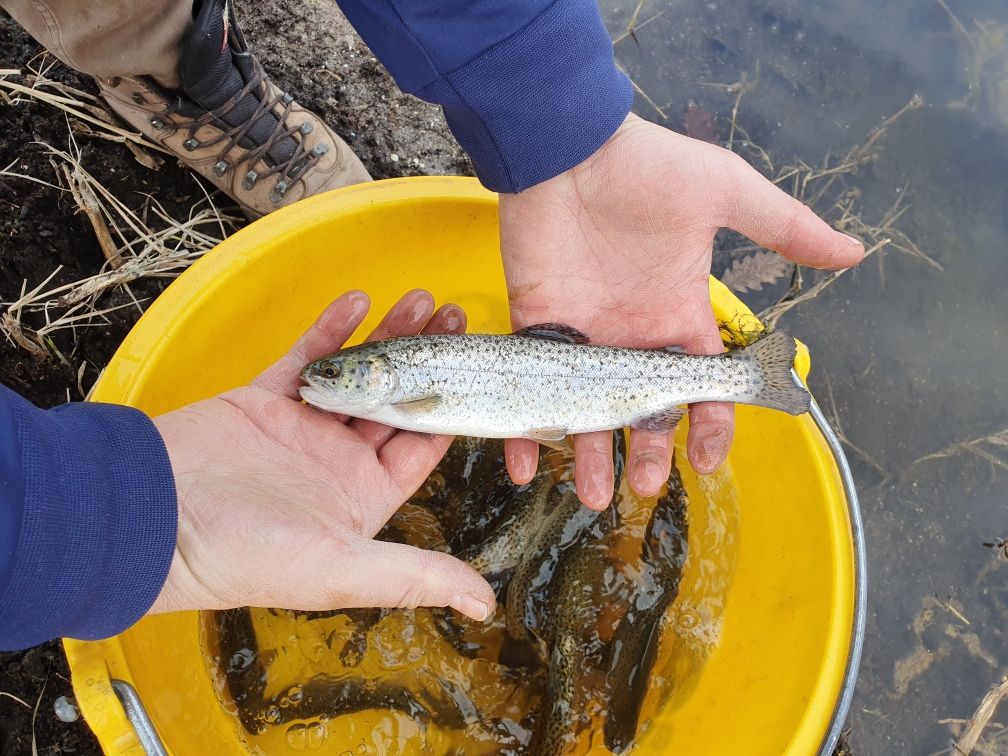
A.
pixel 752 272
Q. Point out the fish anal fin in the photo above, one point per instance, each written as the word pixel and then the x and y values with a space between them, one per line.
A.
pixel 661 422
pixel 419 404
pixel 555 332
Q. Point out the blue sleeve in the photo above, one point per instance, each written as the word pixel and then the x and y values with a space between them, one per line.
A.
pixel 528 87
pixel 88 520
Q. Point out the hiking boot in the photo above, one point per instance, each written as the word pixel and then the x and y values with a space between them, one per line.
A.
pixel 231 124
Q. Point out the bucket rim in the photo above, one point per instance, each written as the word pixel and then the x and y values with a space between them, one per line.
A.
pixel 469 189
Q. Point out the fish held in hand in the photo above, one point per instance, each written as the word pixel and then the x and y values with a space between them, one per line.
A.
pixel 543 383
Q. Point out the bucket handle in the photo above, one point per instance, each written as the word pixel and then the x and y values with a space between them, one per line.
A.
pixel 151 742
pixel 149 739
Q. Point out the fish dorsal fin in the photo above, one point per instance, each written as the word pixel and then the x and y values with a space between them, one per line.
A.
pixel 418 405
pixel 555 332
pixel 661 422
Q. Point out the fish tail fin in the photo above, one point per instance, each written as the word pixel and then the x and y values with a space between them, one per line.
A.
pixel 774 355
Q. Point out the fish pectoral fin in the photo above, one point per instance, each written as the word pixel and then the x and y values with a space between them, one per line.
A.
pixel 661 422
pixel 547 434
pixel 554 332
pixel 554 438
pixel 420 404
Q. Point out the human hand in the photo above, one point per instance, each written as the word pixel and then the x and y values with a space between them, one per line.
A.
pixel 620 248
pixel 279 503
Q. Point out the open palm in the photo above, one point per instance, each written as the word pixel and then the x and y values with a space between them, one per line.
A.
pixel 279 503
pixel 620 248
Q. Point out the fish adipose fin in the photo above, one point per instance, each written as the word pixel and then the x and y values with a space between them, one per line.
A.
pixel 661 422
pixel 420 404
pixel 554 332
pixel 774 354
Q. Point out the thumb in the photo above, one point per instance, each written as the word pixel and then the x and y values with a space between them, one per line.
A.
pixel 396 575
pixel 773 218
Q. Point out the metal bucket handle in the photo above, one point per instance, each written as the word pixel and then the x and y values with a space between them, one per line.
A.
pixel 153 746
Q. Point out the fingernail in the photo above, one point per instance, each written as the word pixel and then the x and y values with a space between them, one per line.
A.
pixel 712 451
pixel 648 474
pixel 522 470
pixel 453 319
pixel 599 490
pixel 471 607
pixel 358 299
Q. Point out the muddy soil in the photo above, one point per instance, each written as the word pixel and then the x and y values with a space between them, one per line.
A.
pixel 311 50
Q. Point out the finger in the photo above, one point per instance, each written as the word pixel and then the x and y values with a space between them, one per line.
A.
pixel 521 457
pixel 327 334
pixel 406 317
pixel 773 218
pixel 448 319
pixel 408 458
pixel 649 462
pixel 593 469
pixel 711 423
pixel 382 574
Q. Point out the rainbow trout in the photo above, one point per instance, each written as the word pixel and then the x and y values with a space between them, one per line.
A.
pixel 564 526
pixel 574 542
pixel 507 545
pixel 634 647
pixel 543 383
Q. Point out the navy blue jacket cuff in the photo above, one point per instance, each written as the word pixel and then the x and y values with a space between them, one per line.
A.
pixel 87 500
pixel 529 88
pixel 538 103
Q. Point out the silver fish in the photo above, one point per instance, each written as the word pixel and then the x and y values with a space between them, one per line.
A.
pixel 543 383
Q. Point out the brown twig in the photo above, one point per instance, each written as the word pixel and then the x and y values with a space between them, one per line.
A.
pixel 969 739
pixel 772 314
pixel 86 200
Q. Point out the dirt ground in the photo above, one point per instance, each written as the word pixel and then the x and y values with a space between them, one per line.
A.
pixel 313 52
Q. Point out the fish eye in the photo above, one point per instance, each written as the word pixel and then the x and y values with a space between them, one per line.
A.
pixel 330 371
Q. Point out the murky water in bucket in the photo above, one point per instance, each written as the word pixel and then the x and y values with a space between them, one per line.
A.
pixel 373 681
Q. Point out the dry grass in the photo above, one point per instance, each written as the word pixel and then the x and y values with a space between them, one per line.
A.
pixel 826 189
pixel 834 417
pixel 141 244
pixel 987 42
pixel 993 448
pixel 633 25
pixel 971 731
pixel 149 244
pixel 87 115
pixel 4 694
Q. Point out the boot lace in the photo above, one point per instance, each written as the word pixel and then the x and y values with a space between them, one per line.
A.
pixel 300 162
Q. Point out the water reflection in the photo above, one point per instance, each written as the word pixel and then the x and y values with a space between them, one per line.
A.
pixel 909 357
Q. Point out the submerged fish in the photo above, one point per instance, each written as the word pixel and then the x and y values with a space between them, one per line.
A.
pixel 543 383
pixel 635 644
pixel 506 546
pixel 476 493
pixel 569 630
pixel 245 672
pixel 566 522
pixel 574 542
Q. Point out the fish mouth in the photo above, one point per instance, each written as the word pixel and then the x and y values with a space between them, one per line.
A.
pixel 316 398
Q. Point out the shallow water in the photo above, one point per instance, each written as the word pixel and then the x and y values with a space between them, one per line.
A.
pixel 909 357
pixel 429 681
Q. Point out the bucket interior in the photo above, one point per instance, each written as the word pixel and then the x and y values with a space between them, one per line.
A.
pixel 762 642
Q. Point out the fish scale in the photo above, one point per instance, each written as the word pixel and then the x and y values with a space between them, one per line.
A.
pixel 542 387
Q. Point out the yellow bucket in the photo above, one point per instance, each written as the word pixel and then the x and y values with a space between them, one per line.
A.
pixel 780 677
